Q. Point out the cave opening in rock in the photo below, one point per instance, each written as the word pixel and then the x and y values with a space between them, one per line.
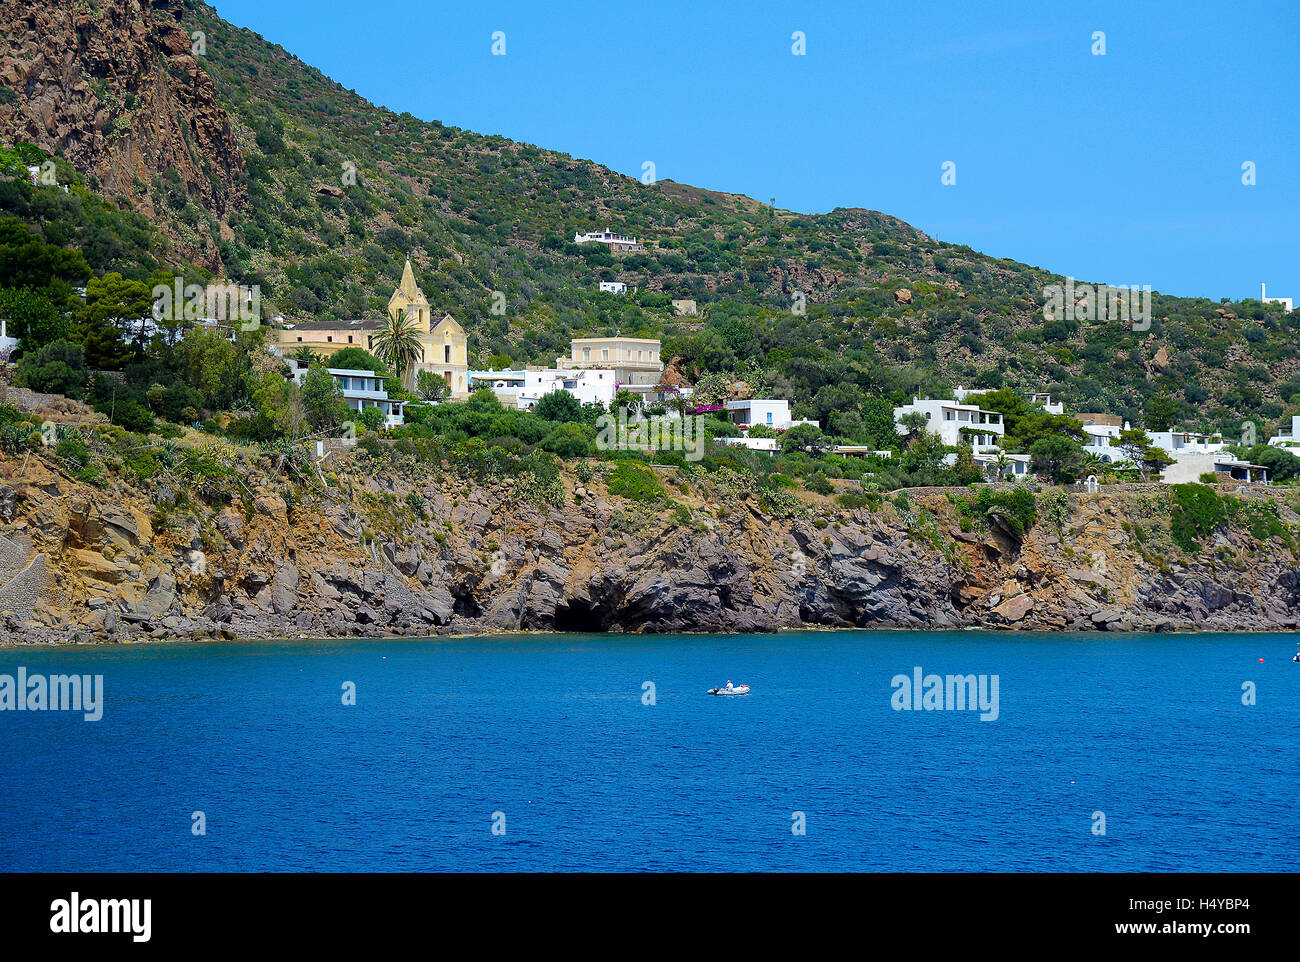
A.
pixel 582 617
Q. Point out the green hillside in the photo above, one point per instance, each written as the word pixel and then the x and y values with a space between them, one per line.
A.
pixel 478 214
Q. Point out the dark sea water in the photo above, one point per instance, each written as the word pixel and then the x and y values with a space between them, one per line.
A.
pixel 552 732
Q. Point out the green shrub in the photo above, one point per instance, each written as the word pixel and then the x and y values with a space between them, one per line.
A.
pixel 1015 510
pixel 1197 512
pixel 871 500
pixel 818 483
pixel 73 448
pixel 634 483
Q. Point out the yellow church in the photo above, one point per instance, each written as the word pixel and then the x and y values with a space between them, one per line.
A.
pixel 443 346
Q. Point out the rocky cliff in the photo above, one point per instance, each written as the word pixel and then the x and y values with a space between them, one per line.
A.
pixel 118 88
pixel 392 547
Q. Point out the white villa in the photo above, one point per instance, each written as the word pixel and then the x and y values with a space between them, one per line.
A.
pixel 523 389
pixel 7 344
pixel 361 389
pixel 768 445
pixel 1100 431
pixel 1181 444
pixel 1284 301
pixel 1288 438
pixel 1045 402
pixel 1015 468
pixel 951 419
pixel 771 413
pixel 589 386
pixel 617 243
pixel 613 287
pixel 1190 466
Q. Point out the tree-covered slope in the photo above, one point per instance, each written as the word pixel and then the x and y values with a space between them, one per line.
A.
pixel 333 193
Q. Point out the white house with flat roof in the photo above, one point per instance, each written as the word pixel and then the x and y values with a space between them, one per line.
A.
pixel 1190 466
pixel 769 412
pixel 613 287
pixel 361 389
pixel 1288 437
pixel 7 344
pixel 1013 467
pixel 1044 401
pixel 955 422
pixel 1178 444
pixel 1284 301
pixel 768 445
pixel 617 243
pixel 589 386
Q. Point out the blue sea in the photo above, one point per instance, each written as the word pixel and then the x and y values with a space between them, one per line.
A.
pixel 557 744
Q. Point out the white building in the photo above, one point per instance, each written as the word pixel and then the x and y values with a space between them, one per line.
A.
pixel 1191 466
pixel 1284 301
pixel 1045 402
pixel 951 420
pixel 613 287
pixel 361 389
pixel 1197 454
pixel 860 451
pixel 1180 444
pixel 617 243
pixel 7 344
pixel 1015 468
pixel 1100 440
pixel 504 384
pixel 770 413
pixel 588 385
pixel 1100 432
pixel 769 445
pixel 1288 438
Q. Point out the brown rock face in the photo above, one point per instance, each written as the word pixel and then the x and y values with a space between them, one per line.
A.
pixel 479 557
pixel 118 92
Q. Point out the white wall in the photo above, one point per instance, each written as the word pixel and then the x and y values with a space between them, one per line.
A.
pixel 589 385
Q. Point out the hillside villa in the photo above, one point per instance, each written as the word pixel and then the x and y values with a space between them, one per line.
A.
pixel 1288 437
pixel 524 388
pixel 617 243
pixel 955 422
pixel 769 412
pixel 361 389
pixel 1284 301
pixel 773 413
pixel 1189 467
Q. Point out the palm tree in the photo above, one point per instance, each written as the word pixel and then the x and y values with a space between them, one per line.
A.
pixel 1094 463
pixel 1002 463
pixel 397 343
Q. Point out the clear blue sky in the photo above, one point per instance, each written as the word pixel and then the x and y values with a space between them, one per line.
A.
pixel 1123 168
